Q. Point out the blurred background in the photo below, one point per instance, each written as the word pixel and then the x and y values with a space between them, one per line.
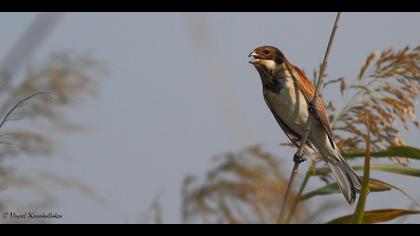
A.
pixel 171 91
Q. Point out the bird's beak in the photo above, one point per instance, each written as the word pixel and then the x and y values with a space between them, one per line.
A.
pixel 254 58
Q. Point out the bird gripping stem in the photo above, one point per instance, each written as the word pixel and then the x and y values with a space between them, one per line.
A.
pixel 298 157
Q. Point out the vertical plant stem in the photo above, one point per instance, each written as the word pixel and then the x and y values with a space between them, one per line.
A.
pixel 318 85
pixel 302 188
pixel 299 153
pixel 361 204
pixel 289 185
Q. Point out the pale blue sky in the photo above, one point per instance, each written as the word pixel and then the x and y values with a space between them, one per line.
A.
pixel 179 90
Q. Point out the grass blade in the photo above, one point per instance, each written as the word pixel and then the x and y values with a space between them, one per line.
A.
pixel 374 186
pixel 396 169
pixel 402 151
pixel 376 216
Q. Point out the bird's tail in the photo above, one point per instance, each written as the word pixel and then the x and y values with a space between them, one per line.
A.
pixel 348 180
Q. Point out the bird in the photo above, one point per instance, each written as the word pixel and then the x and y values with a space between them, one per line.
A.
pixel 288 94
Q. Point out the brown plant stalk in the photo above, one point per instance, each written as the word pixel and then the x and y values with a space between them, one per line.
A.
pixel 299 153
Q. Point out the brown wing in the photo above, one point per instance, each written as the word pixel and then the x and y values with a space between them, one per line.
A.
pixel 309 91
pixel 291 134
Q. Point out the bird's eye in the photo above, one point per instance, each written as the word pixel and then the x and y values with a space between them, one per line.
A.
pixel 266 52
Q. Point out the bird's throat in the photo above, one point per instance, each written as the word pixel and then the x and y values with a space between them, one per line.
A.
pixel 270 79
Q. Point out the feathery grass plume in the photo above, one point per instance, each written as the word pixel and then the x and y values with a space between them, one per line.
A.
pixel 390 82
pixel 38 101
pixel 244 187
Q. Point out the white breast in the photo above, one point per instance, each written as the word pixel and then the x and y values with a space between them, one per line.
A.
pixel 289 104
pixel 292 109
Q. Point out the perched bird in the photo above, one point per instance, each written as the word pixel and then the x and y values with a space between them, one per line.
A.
pixel 288 94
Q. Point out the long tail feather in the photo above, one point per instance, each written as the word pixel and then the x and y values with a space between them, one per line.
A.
pixel 348 180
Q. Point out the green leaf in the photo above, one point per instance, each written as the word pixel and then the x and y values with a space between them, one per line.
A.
pixel 376 216
pixel 374 186
pixel 396 169
pixel 401 151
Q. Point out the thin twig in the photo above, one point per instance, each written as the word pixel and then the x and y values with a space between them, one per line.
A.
pixel 17 105
pixel 299 153
pixel 411 207
pixel 300 193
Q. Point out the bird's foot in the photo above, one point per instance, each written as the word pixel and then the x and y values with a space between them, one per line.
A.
pixel 312 107
pixel 298 159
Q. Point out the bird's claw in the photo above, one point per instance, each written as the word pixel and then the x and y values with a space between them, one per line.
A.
pixel 298 159
pixel 312 107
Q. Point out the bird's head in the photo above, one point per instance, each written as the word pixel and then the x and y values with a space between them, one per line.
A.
pixel 267 57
